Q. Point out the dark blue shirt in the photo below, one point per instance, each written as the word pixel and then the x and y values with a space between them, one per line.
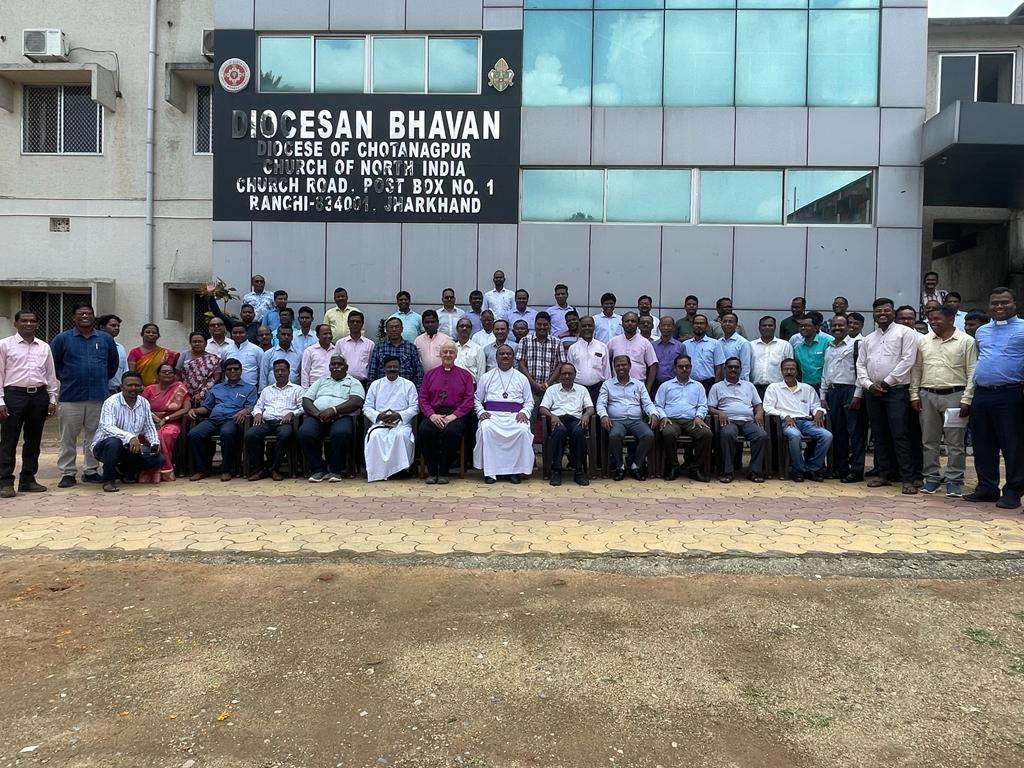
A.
pixel 84 364
pixel 1000 353
pixel 409 365
pixel 226 399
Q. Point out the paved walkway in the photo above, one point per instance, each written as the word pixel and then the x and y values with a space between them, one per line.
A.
pixel 407 517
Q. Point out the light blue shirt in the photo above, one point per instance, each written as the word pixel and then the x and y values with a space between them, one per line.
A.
pixel 251 358
pixel 273 321
pixel 302 341
pixel 122 365
pixel 739 347
pixel 294 358
pixel 412 324
pixel 528 315
pixel 704 356
pixel 736 401
pixel 677 400
pixel 624 401
pixel 1000 353
pixel 605 327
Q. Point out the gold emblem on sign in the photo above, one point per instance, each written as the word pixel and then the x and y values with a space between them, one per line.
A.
pixel 501 77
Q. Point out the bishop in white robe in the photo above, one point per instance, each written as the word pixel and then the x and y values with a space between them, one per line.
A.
pixel 504 440
pixel 391 404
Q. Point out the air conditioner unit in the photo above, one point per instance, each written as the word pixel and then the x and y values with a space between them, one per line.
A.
pixel 42 45
pixel 208 44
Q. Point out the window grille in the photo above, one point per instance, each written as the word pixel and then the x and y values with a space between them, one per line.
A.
pixel 55 311
pixel 204 120
pixel 61 119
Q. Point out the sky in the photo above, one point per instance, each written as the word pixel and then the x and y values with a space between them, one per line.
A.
pixel 971 7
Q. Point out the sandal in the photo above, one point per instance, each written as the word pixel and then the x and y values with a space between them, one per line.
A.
pixel 725 478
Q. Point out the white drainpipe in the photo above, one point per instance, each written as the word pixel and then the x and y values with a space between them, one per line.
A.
pixel 150 166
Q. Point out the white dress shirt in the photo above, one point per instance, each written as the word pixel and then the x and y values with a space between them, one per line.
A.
pixel 470 356
pixel 562 402
pixel 591 361
pixel 605 327
pixel 446 320
pixel 499 302
pixel 887 356
pixel 780 400
pixel 120 420
pixel 839 367
pixel 482 337
pixel 274 401
pixel 766 360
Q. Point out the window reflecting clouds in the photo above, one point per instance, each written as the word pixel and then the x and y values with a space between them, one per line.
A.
pixel 741 197
pixel 557 58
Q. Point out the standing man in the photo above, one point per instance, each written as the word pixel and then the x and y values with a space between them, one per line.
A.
pixel 953 299
pixel 522 313
pixel 112 324
pixel 468 354
pixel 412 322
pixel 622 405
pixel 558 309
pixel 733 343
pixel 500 300
pixel 930 290
pixel 608 323
pixel 246 317
pixel 644 304
pixel 276 409
pixel 839 307
pixel 337 316
pixel 997 412
pixel 448 314
pixel 539 357
pixel 800 409
pixel 854 327
pixel 590 358
pixel 568 408
pixel 284 350
pixel 476 305
pixel 790 325
pixel 484 335
pixel 356 348
pixel 766 355
pixel 810 352
pixel 683 404
pixel 884 363
pixel 316 360
pixel 28 394
pixel 838 390
pixel 722 307
pixel 429 343
pixel 273 317
pixel 737 406
pixel 265 339
pixel 705 354
pixel 394 345
pixel 500 329
pixel 84 359
pixel 643 363
pixel 218 341
pixel 248 354
pixel 305 337
pixel 666 349
pixel 943 379
pixel 684 325
pixel 259 298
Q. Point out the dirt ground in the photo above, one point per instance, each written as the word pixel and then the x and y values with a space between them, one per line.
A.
pixel 165 662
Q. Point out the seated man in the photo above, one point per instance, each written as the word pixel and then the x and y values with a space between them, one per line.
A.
pixel 737 406
pixel 568 408
pixel 446 396
pixel 504 440
pixel 329 405
pixel 799 407
pixel 227 405
pixel 622 404
pixel 277 408
pixel 683 406
pixel 391 405
pixel 126 441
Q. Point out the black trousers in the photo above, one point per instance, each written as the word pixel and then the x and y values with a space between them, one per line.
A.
pixel 440 447
pixel 889 415
pixel 570 431
pixel 255 445
pixel 115 457
pixel 997 424
pixel 28 414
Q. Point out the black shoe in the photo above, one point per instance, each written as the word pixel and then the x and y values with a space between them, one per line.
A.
pixel 92 477
pixel 30 486
pixel 7 492
pixel 556 478
pixel 489 480
pixel 853 477
pixel 984 498
pixel 873 472
pixel 673 474
pixel 1008 502
pixel 581 478
pixel 618 474
pixel 514 479
pixel 815 476
pixel 68 481
pixel 635 474
pixel 700 477
pixel 797 477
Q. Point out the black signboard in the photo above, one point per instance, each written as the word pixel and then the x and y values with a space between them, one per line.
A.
pixel 366 157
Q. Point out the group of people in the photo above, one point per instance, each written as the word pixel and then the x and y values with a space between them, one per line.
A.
pixel 448 380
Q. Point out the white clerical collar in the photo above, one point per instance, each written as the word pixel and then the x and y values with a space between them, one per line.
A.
pixel 1000 322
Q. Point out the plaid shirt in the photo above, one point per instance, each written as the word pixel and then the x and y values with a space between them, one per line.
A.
pixel 409 363
pixel 541 357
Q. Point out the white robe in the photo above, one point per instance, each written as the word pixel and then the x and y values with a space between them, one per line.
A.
pixel 504 446
pixel 389 449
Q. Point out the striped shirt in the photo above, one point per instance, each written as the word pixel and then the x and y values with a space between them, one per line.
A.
pixel 120 420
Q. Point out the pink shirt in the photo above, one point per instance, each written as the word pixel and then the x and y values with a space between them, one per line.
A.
pixel 593 365
pixel 27 364
pixel 316 363
pixel 430 349
pixel 357 355
pixel 639 351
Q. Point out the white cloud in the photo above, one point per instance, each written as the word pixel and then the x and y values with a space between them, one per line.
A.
pixel 546 84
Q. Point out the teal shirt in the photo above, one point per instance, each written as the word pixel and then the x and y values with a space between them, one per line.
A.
pixel 811 359
pixel 412 324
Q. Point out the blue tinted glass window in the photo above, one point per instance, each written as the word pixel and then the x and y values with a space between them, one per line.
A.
pixel 557 58
pixel 453 64
pixel 340 65
pixel 771 58
pixel 700 4
pixel 549 4
pixel 648 195
pixel 844 3
pixel 741 197
pixel 843 58
pixel 617 5
pixel 628 58
pixel 772 4
pixel 829 197
pixel 699 58
pixel 399 64
pixel 563 195
pixel 286 64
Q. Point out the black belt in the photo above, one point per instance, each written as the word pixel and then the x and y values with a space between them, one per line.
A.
pixel 27 390
pixel 1015 385
pixel 943 391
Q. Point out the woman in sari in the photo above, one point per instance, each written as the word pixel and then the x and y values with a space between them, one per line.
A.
pixel 149 356
pixel 200 369
pixel 169 402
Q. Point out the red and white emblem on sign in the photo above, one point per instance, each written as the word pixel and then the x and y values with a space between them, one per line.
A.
pixel 234 75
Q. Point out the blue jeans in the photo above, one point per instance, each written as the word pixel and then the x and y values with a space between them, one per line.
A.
pixel 822 440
